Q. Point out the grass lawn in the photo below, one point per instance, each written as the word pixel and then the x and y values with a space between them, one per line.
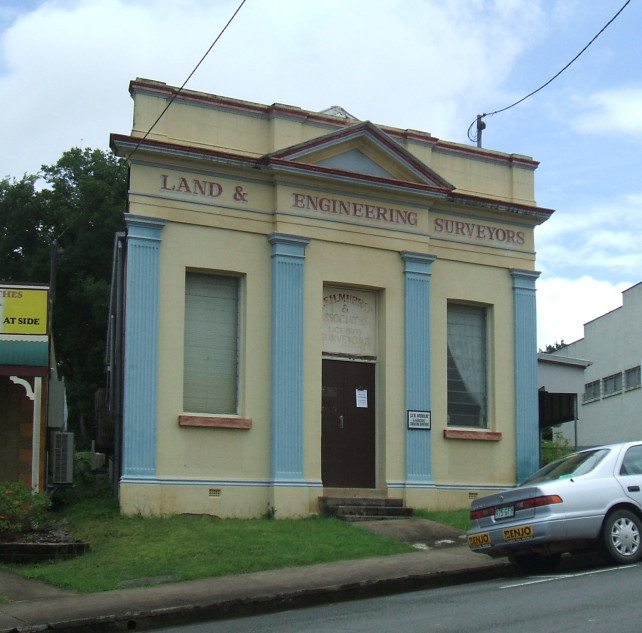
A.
pixel 125 550
pixel 188 547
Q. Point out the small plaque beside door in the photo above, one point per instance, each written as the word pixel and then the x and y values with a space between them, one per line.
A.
pixel 420 420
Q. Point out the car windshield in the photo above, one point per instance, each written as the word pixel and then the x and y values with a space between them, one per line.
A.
pixel 569 466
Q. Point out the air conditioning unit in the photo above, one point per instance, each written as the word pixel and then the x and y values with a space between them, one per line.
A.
pixel 62 458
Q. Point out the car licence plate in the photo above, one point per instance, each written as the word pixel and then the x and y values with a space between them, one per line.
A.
pixel 505 512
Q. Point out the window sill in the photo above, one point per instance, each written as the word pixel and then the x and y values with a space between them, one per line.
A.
pixel 472 434
pixel 216 422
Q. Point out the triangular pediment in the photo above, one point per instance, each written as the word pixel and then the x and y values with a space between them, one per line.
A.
pixel 359 151
pixel 355 160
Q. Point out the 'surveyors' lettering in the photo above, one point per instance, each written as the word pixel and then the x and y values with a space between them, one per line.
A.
pixel 478 231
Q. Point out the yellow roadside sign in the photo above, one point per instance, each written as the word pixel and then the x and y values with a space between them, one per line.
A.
pixel 23 310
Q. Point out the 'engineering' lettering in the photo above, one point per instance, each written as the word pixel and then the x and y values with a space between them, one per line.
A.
pixel 354 209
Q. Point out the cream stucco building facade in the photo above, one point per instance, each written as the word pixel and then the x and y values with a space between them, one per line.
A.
pixel 311 304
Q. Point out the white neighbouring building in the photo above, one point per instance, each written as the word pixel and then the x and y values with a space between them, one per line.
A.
pixel 611 403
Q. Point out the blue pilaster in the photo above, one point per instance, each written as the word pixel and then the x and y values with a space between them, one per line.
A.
pixel 141 346
pixel 417 349
pixel 286 411
pixel 526 400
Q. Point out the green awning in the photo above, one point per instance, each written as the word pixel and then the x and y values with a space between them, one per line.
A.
pixel 29 353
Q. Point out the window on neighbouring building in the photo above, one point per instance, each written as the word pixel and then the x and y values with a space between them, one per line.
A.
pixel 632 378
pixel 467 366
pixel 211 360
pixel 612 384
pixel 592 390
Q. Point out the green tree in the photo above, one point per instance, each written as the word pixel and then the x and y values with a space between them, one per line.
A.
pixel 25 231
pixel 553 348
pixel 74 217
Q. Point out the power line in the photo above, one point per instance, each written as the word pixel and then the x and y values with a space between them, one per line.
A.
pixel 175 95
pixel 480 123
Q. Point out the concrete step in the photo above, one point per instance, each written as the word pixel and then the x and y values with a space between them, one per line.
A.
pixel 365 513
pixel 356 518
pixel 332 502
pixel 363 508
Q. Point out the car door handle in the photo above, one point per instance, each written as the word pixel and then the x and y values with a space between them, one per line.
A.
pixel 633 488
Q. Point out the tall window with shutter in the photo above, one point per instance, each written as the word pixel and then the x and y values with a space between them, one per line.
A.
pixel 211 344
pixel 467 366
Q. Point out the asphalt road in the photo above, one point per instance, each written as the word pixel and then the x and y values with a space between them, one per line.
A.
pixel 585 600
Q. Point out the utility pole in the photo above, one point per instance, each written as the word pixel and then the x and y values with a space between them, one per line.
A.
pixel 480 127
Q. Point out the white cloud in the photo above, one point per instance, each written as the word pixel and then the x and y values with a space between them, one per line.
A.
pixel 601 240
pixel 565 305
pixel 616 111
pixel 410 63
pixel 67 66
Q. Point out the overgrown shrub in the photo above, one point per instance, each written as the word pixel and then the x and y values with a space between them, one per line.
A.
pixel 21 509
pixel 555 448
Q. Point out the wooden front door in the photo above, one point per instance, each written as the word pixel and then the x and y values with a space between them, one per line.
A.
pixel 348 425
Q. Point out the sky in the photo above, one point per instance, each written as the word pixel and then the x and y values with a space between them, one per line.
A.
pixel 429 65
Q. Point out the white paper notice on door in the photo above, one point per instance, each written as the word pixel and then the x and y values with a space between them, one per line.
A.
pixel 362 398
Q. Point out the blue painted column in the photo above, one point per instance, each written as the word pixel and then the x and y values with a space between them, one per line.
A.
pixel 286 411
pixel 526 400
pixel 417 348
pixel 141 346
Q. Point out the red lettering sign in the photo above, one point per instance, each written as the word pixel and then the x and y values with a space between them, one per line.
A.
pixel 479 231
pixel 193 186
pixel 353 208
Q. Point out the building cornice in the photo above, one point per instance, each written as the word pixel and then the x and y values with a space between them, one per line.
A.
pixel 276 110
pixel 123 145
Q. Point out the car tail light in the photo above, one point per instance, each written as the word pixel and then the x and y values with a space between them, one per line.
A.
pixel 482 512
pixel 522 504
pixel 536 502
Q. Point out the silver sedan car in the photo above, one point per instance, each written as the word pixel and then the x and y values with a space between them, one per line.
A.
pixel 589 500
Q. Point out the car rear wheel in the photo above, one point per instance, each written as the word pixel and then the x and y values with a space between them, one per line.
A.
pixel 621 537
pixel 537 563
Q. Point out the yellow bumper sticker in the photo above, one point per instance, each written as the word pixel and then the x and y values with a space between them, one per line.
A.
pixel 520 532
pixel 479 540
